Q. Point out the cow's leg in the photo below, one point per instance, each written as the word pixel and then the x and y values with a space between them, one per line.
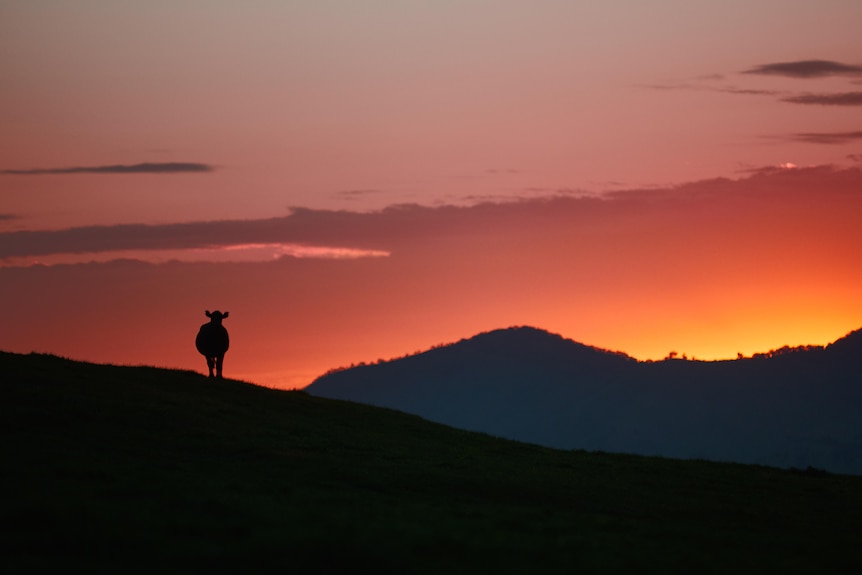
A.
pixel 211 361
pixel 219 360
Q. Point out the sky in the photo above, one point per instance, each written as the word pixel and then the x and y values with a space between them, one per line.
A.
pixel 356 180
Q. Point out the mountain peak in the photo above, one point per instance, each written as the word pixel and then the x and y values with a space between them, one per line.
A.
pixel 536 344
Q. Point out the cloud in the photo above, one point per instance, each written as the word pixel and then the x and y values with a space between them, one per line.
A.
pixel 798 69
pixel 806 69
pixel 407 228
pixel 839 99
pixel 145 168
pixel 748 91
pixel 827 137
pixel 7 217
pixel 238 253
pixel 769 170
pixel 719 89
pixel 356 194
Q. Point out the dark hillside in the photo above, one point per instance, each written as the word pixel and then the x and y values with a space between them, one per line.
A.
pixel 847 350
pixel 141 470
pixel 787 408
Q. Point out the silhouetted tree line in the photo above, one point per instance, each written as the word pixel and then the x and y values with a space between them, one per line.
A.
pixel 787 350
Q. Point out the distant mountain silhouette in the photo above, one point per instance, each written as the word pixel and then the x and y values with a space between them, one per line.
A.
pixel 793 407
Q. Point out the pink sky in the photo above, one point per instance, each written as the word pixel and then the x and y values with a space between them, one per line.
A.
pixel 256 143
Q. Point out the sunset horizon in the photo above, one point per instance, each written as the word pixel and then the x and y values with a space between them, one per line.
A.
pixel 697 306
pixel 362 181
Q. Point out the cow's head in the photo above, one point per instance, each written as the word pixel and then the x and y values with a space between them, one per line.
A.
pixel 217 316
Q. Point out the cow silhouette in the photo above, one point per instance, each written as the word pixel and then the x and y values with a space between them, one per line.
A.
pixel 212 342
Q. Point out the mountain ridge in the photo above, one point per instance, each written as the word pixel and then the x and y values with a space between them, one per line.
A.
pixel 791 407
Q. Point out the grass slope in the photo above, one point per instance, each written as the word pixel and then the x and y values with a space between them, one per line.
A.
pixel 124 469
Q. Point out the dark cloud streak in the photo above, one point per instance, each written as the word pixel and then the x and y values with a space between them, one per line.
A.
pixel 145 168
pixel 748 92
pixel 806 69
pixel 840 99
pixel 355 194
pixel 719 89
pixel 827 137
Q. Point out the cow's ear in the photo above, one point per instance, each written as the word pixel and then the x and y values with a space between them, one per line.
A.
pixel 208 313
pixel 227 313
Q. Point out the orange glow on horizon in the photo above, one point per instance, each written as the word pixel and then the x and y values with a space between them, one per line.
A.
pixel 710 269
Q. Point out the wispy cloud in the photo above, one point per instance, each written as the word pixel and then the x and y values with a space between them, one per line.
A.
pixel 801 69
pixel 681 86
pixel 748 91
pixel 806 69
pixel 839 99
pixel 303 234
pixel 827 137
pixel 145 168
pixel 772 170
pixel 356 194
pixel 7 217
pixel 236 253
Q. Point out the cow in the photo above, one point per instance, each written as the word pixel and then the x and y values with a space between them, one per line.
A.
pixel 212 342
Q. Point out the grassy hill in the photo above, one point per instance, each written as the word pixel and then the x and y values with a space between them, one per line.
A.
pixel 137 469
